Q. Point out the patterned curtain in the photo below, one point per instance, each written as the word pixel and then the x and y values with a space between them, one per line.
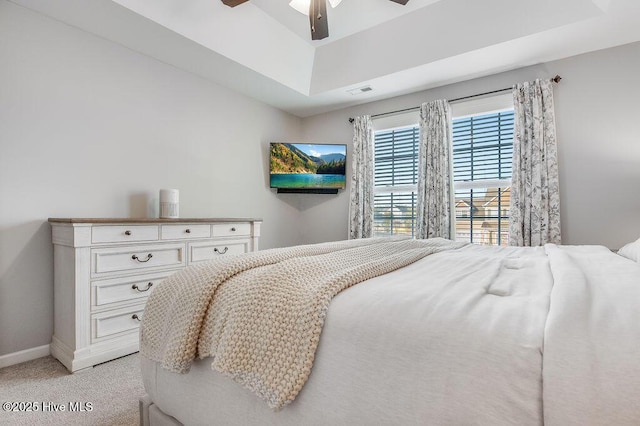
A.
pixel 435 174
pixel 361 203
pixel 535 200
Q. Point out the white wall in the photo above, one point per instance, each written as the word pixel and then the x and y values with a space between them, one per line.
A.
pixel 89 128
pixel 598 123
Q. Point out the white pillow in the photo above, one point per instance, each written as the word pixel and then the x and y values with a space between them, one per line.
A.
pixel 631 251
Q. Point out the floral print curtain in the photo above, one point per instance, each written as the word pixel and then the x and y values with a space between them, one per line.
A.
pixel 361 201
pixel 535 199
pixel 435 173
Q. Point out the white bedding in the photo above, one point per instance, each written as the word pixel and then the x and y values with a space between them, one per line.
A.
pixel 592 339
pixel 456 338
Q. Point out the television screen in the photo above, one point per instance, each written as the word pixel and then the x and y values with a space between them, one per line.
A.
pixel 308 166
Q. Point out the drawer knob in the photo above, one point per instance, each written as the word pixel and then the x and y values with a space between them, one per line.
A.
pixel 221 251
pixel 188 231
pixel 135 287
pixel 136 317
pixel 135 257
pixel 233 229
pixel 127 232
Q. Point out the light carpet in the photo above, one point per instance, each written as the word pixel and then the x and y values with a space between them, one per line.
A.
pixel 112 389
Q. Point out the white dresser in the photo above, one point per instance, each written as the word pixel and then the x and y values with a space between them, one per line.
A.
pixel 104 270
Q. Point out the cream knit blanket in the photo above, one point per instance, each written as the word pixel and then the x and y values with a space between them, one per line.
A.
pixel 260 315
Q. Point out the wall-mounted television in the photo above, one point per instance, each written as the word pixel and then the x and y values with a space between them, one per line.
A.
pixel 305 167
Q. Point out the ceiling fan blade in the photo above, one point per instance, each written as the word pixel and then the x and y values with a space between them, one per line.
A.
pixel 233 3
pixel 318 19
pixel 402 2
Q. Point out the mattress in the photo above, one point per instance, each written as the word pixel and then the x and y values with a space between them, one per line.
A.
pixel 479 335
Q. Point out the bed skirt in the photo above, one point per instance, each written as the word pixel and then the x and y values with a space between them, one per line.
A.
pixel 151 415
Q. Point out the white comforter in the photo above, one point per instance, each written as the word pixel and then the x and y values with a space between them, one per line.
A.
pixel 591 370
pixel 456 338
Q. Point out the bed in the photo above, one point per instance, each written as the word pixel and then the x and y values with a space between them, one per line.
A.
pixel 460 335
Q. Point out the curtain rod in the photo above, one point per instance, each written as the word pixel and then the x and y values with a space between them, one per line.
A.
pixel 555 79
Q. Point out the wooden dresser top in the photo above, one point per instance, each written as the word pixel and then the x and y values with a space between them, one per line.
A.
pixel 120 220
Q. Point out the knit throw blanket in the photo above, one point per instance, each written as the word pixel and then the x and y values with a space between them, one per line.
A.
pixel 260 315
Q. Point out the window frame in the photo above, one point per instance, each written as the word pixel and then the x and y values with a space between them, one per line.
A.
pixel 462 109
pixel 390 124
pixel 487 105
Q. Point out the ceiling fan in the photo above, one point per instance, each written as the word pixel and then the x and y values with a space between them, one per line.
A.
pixel 317 13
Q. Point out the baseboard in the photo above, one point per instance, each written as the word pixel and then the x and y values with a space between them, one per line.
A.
pixel 97 353
pixel 24 356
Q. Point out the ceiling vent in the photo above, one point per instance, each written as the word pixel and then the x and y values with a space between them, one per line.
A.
pixel 359 90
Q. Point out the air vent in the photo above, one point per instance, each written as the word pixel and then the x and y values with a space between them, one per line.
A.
pixel 359 90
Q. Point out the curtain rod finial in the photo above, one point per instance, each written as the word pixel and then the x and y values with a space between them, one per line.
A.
pixel 351 119
pixel 556 79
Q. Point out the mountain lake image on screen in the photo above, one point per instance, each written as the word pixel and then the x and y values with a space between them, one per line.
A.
pixel 301 166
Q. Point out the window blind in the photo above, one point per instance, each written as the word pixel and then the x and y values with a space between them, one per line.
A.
pixel 395 180
pixel 394 214
pixel 396 154
pixel 482 157
pixel 482 167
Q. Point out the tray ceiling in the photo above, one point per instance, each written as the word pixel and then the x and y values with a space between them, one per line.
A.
pixel 263 49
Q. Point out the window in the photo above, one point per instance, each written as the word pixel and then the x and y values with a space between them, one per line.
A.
pixel 482 154
pixel 395 181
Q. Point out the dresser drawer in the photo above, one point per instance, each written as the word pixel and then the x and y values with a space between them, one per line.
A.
pixel 185 231
pixel 230 229
pixel 136 288
pixel 123 233
pixel 116 322
pixel 200 252
pixel 136 258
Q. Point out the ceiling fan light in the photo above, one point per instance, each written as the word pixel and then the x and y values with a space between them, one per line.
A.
pixel 301 6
